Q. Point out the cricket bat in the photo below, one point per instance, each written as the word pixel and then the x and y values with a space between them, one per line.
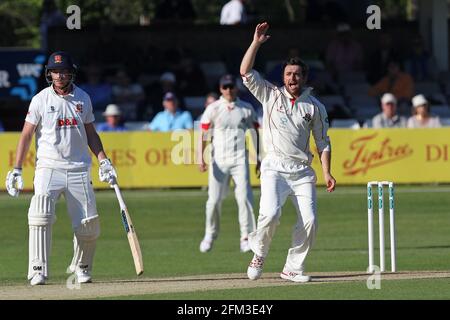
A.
pixel 131 233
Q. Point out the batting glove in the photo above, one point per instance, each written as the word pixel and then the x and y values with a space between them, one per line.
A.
pixel 14 182
pixel 106 171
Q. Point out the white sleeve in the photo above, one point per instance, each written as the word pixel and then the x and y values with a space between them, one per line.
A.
pixel 259 87
pixel 89 113
pixel 33 114
pixel 320 128
pixel 206 119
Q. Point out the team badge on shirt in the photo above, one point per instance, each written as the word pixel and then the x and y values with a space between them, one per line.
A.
pixel 280 108
pixel 79 108
pixel 307 117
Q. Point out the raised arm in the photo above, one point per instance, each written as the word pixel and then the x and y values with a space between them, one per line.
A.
pixel 258 39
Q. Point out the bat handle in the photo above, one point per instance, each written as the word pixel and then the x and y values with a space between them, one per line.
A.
pixel 119 195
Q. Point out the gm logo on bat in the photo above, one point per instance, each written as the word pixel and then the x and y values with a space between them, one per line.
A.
pixel 125 222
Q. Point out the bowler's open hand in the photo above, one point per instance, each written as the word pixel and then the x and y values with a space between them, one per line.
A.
pixel 260 35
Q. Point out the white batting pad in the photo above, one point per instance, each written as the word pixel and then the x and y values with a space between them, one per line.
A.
pixel 84 242
pixel 41 216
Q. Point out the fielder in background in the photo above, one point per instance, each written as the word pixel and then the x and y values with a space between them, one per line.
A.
pixel 228 120
pixel 62 117
pixel 291 114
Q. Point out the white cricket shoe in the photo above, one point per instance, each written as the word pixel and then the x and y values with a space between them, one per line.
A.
pixel 206 244
pixel 83 275
pixel 294 276
pixel 245 247
pixel 38 279
pixel 254 270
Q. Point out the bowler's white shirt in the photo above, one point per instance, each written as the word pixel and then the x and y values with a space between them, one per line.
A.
pixel 288 122
pixel 232 12
pixel 229 122
pixel 61 140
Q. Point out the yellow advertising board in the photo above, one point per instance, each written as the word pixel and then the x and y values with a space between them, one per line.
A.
pixel 398 155
pixel 145 159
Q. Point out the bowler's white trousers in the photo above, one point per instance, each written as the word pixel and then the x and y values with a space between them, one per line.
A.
pixel 218 183
pixel 281 178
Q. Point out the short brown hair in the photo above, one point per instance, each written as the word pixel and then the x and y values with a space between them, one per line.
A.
pixel 296 61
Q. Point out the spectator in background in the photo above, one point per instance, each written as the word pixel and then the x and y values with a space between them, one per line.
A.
pixel 343 54
pixel 51 16
pixel 127 95
pixel 171 118
pixel 399 83
pixel 388 118
pixel 419 62
pixel 233 13
pixel 191 79
pixel 377 63
pixel 113 119
pixel 210 98
pixel 167 83
pixel 175 10
pixel 421 117
pixel 99 91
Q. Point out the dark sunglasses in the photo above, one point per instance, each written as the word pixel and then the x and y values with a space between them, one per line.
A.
pixel 228 86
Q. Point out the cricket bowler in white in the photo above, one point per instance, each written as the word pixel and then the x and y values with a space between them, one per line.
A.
pixel 62 118
pixel 290 115
pixel 228 119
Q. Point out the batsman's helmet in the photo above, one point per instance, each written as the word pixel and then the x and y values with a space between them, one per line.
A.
pixel 58 61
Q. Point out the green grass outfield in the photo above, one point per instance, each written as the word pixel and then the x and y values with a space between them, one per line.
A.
pixel 170 225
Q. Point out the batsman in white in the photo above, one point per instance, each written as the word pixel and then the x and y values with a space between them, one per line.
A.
pixel 62 117
pixel 290 114
pixel 228 119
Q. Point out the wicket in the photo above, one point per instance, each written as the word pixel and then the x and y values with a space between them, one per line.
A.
pixel 380 185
